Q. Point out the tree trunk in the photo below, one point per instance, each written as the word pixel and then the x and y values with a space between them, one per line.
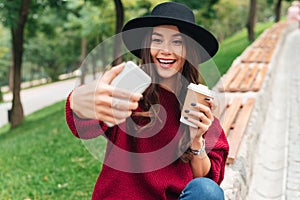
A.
pixel 11 73
pixel 1 95
pixel 103 55
pixel 17 32
pixel 278 10
pixel 94 64
pixel 251 20
pixel 118 41
pixel 82 60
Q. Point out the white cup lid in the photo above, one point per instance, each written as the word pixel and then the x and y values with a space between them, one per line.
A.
pixel 201 89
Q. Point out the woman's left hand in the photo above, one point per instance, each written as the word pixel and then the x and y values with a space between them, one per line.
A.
pixel 202 117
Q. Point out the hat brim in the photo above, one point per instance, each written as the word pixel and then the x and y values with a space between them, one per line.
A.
pixel 134 31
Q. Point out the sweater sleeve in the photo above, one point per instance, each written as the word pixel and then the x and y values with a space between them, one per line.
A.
pixel 83 128
pixel 217 148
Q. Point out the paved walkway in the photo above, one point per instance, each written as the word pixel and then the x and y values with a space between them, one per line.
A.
pixel 38 97
pixel 276 172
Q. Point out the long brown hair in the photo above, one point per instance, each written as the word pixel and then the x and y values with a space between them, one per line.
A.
pixel 190 74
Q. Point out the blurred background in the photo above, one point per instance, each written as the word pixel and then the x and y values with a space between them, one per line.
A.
pixel 47 40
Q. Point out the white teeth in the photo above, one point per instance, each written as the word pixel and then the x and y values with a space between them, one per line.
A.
pixel 166 61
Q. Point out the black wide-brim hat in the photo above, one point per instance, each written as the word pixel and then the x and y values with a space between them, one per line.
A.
pixel 169 13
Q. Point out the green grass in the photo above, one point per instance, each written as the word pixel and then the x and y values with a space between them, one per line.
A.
pixel 40 159
pixel 228 51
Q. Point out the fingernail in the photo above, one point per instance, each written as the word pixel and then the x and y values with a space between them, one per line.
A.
pixel 193 104
pixel 186 111
pixel 207 99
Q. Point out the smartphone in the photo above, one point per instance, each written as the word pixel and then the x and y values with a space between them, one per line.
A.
pixel 133 79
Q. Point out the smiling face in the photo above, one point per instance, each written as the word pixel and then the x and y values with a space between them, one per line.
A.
pixel 168 50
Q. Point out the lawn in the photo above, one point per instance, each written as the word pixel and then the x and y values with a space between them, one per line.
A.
pixel 41 159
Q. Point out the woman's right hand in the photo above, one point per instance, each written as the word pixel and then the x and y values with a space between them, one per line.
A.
pixel 99 100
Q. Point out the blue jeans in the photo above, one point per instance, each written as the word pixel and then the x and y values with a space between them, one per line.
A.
pixel 202 188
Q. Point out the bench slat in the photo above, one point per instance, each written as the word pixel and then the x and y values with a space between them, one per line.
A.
pixel 234 86
pixel 259 78
pixel 248 55
pixel 261 55
pixel 228 78
pixel 254 55
pixel 245 86
pixel 237 133
pixel 230 114
pixel 269 56
pixel 221 108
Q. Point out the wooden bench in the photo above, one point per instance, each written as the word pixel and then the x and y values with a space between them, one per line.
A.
pixel 249 73
pixel 243 78
pixel 258 55
pixel 246 75
pixel 234 117
pixel 262 49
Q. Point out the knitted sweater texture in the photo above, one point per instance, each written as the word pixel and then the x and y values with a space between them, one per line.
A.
pixel 145 166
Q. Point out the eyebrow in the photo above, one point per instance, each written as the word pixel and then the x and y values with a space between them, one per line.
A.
pixel 175 35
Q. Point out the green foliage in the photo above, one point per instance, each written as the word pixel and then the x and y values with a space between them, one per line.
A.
pixel 52 55
pixel 203 9
pixel 55 28
pixel 145 5
pixel 9 11
pixel 41 160
pixel 198 4
pixel 137 8
pixel 226 17
pixel 263 14
pixel 44 17
pixel 4 55
pixel 230 18
pixel 88 20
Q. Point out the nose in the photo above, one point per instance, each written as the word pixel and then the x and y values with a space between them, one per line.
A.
pixel 166 48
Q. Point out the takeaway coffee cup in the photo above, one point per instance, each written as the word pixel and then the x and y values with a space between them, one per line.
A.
pixel 195 94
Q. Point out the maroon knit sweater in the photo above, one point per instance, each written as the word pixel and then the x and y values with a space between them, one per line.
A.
pixel 146 167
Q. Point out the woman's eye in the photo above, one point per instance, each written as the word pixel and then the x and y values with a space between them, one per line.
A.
pixel 156 40
pixel 177 42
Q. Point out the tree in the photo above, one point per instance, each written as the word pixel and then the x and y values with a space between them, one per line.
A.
pixel 79 21
pixel 278 10
pixel 17 35
pixel 251 20
pixel 91 22
pixel 15 14
pixel 119 24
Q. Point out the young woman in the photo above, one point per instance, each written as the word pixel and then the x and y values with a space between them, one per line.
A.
pixel 150 154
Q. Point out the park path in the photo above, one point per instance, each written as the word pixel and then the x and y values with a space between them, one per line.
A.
pixel 39 97
pixel 276 174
